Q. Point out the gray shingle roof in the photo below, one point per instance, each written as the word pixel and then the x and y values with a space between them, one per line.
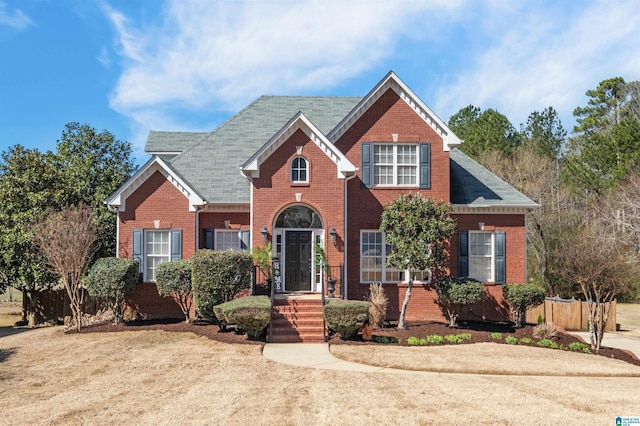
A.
pixel 209 162
pixel 474 185
pixel 171 141
pixel 211 165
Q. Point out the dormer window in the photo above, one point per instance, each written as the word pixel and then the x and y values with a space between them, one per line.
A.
pixel 299 170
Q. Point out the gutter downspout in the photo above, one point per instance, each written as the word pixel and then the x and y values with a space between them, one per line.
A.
pixel 197 238
pixel 346 238
pixel 115 210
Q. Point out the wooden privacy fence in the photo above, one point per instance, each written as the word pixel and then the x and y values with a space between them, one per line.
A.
pixel 569 314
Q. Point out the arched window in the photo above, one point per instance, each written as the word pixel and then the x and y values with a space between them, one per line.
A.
pixel 299 170
pixel 299 216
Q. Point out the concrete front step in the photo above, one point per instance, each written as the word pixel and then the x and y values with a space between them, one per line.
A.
pixel 297 320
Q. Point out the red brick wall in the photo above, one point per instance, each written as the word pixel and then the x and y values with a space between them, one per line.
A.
pixel 156 199
pixel 391 115
pixel 273 191
pixel 217 221
pixel 514 227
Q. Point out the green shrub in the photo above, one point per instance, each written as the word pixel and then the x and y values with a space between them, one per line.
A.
pixel 457 338
pixel 546 343
pixel 511 340
pixel 415 341
pixel 173 279
pixel 218 276
pixel 496 336
pixel 113 279
pixel 385 339
pixel 251 314
pixel 452 338
pixel 346 316
pixel 455 293
pixel 522 297
pixel 526 340
pixel 435 339
pixel 579 347
pixel 540 319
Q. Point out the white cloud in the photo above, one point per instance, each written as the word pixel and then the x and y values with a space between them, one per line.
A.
pixel 517 57
pixel 548 57
pixel 224 54
pixel 15 18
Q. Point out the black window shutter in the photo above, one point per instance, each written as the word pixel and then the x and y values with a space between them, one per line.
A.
pixel 208 238
pixel 367 164
pixel 463 253
pixel 137 249
pixel 501 254
pixel 176 244
pixel 425 165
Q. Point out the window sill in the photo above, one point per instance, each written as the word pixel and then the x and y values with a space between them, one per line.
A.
pixel 397 284
pixel 402 188
pixel 299 184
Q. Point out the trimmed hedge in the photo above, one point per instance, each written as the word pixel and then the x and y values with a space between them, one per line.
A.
pixel 346 317
pixel 251 314
pixel 217 277
pixel 113 279
pixel 173 279
pixel 455 293
pixel 522 297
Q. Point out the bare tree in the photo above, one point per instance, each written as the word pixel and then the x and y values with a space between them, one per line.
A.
pixel 67 239
pixel 600 266
pixel 537 176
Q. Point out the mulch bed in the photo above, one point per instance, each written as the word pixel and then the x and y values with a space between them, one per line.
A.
pixel 480 332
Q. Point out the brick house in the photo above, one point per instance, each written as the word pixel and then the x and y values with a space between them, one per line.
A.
pixel 301 171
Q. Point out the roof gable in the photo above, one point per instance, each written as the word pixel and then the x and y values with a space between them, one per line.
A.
pixel 391 81
pixel 251 168
pixel 118 200
pixel 211 165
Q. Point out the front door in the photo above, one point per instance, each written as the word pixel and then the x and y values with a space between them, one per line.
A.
pixel 297 260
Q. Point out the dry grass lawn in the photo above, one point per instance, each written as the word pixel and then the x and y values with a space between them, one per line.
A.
pixel 154 377
pixel 628 316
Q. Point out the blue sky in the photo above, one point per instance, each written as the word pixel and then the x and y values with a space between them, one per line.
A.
pixel 134 66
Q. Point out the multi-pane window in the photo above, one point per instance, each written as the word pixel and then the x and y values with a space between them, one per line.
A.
pixel 299 170
pixel 395 165
pixel 481 258
pixel 157 250
pixel 373 261
pixel 230 240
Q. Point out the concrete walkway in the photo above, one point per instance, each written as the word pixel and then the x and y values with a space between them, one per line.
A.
pixel 614 340
pixel 317 355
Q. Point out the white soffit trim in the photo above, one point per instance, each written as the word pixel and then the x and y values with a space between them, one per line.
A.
pixel 155 164
pixel 251 168
pixel 467 209
pixel 391 81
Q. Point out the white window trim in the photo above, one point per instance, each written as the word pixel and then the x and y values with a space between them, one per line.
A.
pixel 216 239
pixel 306 169
pixel 145 254
pixel 492 256
pixel 405 274
pixel 395 165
